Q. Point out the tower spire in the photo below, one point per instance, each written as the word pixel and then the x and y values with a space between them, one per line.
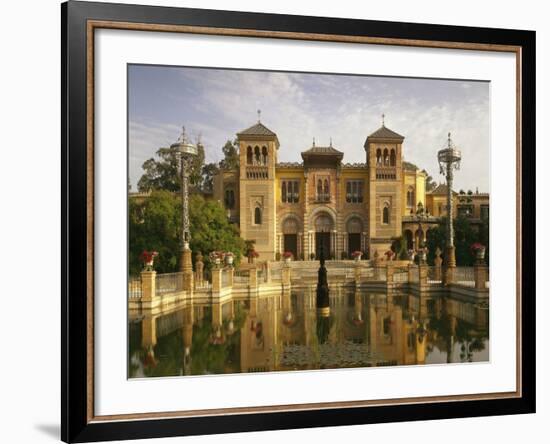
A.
pixel 383 120
pixel 259 115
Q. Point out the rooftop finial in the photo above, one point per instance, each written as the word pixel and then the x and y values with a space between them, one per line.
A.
pixel 449 139
pixel 259 115
pixel 331 142
pixel 313 141
pixel 383 120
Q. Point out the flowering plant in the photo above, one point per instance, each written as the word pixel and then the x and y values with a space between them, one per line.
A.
pixel 356 254
pixel 253 253
pixel 389 254
pixel 475 247
pixel 287 254
pixel 216 255
pixel 147 258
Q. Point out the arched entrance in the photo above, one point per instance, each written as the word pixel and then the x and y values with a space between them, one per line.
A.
pixel 409 238
pixel 290 236
pixel 354 228
pixel 323 229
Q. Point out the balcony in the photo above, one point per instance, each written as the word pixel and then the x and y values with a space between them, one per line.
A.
pixel 257 172
pixel 386 173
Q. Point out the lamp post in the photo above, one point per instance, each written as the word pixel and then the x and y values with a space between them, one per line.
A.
pixel 187 152
pixel 449 160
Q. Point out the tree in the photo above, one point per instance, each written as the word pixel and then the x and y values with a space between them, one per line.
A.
pixel 230 155
pixel 465 236
pixel 163 173
pixel 430 183
pixel 155 224
pixel 209 170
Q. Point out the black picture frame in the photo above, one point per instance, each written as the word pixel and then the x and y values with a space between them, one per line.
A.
pixel 76 327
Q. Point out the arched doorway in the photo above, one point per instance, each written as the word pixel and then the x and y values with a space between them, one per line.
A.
pixel 323 228
pixel 290 236
pixel 354 228
pixel 409 238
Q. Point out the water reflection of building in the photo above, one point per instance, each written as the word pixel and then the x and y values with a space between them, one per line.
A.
pixel 283 332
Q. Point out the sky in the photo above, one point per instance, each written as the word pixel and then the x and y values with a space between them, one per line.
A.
pixel 218 103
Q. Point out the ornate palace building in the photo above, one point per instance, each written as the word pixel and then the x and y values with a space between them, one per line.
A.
pixel 323 202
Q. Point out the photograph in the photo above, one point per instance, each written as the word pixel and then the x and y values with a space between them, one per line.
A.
pixel 305 221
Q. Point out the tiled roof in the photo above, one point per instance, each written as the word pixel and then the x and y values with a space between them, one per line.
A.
pixel 440 189
pixel 385 133
pixel 323 151
pixel 289 164
pixel 259 129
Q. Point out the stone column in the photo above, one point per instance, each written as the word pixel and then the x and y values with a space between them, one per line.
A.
pixel 480 275
pixel 357 273
pixel 389 273
pixel 410 273
pixel 450 265
pixel 230 273
pixel 216 280
pixel 286 275
pixel 187 270
pixel 422 276
pixel 253 278
pixel 148 285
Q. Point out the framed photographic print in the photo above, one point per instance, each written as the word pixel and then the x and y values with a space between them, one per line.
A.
pixel 276 221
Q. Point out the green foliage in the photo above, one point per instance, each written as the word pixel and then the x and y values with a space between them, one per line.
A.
pixel 230 155
pixel 465 236
pixel 163 173
pixel 399 246
pixel 155 224
pixel 210 229
pixel 209 170
pixel 430 183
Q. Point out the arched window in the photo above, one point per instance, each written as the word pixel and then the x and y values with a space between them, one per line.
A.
pixel 283 192
pixel 296 192
pixel 410 197
pixel 257 155
pixel 386 157
pixel 327 191
pixel 348 192
pixel 229 198
pixel 264 155
pixel 386 214
pixel 378 157
pixel 257 216
pixel 392 157
pixel 249 155
pixel 319 189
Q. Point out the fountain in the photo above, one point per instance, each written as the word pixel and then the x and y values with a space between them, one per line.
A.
pixel 322 301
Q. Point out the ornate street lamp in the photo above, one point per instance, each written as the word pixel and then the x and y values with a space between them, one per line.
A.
pixel 187 152
pixel 449 160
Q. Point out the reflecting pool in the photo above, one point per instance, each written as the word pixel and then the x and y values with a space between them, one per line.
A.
pixel 282 332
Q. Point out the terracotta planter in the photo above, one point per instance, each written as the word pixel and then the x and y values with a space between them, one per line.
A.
pixel 229 260
pixel 480 254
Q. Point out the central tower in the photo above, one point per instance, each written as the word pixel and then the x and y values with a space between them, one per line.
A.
pixel 258 147
pixel 385 171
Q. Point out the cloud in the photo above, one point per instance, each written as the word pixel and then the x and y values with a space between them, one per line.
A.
pixel 218 103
